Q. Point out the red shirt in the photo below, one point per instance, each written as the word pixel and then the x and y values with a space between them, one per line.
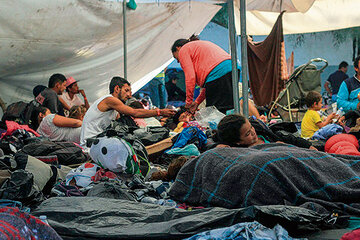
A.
pixel 198 59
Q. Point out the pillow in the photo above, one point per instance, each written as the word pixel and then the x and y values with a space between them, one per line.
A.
pixel 345 144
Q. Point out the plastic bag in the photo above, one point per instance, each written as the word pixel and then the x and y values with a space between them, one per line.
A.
pixel 209 117
pixel 83 175
pixel 188 150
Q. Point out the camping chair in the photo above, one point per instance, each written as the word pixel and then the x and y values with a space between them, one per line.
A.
pixel 290 101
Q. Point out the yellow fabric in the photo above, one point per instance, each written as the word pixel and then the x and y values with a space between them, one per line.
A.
pixel 160 75
pixel 308 124
pixel 179 127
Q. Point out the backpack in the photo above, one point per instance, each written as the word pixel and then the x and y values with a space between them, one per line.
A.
pixel 15 112
pixel 148 135
pixel 142 156
pixel 68 153
pixel 115 154
pixel 136 145
pixel 20 112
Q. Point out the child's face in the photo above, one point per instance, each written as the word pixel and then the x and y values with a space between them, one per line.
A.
pixel 248 135
pixel 318 105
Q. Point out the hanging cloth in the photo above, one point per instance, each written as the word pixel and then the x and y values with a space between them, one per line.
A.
pixel 264 59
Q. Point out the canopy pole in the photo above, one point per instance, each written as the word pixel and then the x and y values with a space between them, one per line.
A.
pixel 124 39
pixel 244 60
pixel 232 37
pixel 2 105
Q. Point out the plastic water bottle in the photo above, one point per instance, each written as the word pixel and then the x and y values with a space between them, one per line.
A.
pixel 322 113
pixel 340 112
pixel 43 218
pixel 149 200
pixel 167 202
pixel 334 106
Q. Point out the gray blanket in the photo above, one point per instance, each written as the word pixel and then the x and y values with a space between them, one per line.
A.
pixel 271 174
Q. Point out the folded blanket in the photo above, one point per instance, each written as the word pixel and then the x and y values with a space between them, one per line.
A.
pixel 270 174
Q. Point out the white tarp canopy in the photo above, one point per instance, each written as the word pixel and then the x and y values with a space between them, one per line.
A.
pixel 301 16
pixel 84 39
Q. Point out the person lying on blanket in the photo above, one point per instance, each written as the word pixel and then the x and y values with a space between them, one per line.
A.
pixel 237 131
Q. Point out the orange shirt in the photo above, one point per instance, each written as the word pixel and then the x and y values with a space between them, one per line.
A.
pixel 198 59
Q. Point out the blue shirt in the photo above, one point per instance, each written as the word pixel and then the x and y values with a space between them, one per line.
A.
pixel 347 95
pixel 220 70
pixel 264 139
pixel 335 79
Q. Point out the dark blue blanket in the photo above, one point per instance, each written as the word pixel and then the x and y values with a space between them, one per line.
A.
pixel 271 174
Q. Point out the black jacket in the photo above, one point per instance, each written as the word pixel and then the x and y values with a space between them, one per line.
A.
pixel 279 134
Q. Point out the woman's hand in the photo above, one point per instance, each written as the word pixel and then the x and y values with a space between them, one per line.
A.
pixel 167 112
pixel 222 146
pixel 313 148
pixel 192 107
pixel 263 118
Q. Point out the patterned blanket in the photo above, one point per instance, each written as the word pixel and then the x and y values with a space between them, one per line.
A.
pixel 271 174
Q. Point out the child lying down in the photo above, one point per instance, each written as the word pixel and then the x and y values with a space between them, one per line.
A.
pixel 270 174
pixel 236 131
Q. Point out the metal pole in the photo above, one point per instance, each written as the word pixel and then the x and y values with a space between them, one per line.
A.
pixel 125 42
pixel 232 37
pixel 2 105
pixel 244 61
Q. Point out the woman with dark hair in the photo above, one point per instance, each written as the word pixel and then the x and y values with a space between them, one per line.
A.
pixel 207 65
pixel 237 131
pixel 56 127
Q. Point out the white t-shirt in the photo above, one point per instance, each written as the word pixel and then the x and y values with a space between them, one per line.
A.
pixel 95 121
pixel 76 101
pixel 48 129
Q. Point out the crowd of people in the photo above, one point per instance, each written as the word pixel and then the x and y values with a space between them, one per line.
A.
pixel 61 112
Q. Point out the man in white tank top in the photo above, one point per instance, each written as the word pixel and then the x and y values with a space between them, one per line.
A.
pixel 107 108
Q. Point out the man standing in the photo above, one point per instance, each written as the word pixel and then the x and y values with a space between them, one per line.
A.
pixel 72 95
pixel 335 79
pixel 112 106
pixel 49 97
pixel 348 96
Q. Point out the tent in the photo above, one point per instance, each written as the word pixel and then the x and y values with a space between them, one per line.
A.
pixel 301 16
pixel 84 39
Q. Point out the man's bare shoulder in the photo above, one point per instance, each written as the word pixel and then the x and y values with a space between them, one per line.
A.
pixel 109 103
